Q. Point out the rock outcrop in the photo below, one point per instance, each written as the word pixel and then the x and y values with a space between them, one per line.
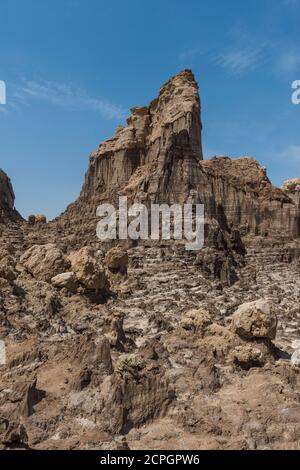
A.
pixel 292 188
pixel 157 158
pixel 154 158
pixel 7 200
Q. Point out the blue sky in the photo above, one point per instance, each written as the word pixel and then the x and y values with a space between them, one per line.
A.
pixel 74 67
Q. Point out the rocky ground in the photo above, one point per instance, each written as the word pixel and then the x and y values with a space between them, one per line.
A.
pixel 146 345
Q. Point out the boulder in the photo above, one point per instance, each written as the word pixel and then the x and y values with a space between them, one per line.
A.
pixel 37 219
pixel 255 320
pixel 117 259
pixel 65 280
pixel 44 261
pixel 291 185
pixel 40 219
pixel 196 320
pixel 88 269
pixel 248 356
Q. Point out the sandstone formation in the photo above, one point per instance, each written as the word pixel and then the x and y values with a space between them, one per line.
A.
pixel 145 345
pixel 157 158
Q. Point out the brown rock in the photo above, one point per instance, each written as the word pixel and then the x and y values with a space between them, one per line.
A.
pixel 44 261
pixel 37 219
pixel 32 396
pixel 16 435
pixel 7 200
pixel 248 356
pixel 165 368
pixel 138 394
pixel 158 158
pixel 255 320
pixel 65 280
pixel 88 269
pixel 116 335
pixel 196 320
pixel 117 259
pixel 40 219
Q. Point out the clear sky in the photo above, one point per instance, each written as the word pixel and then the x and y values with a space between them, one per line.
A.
pixel 74 67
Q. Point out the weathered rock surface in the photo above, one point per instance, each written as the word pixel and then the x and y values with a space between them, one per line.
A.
pixel 255 320
pixel 196 320
pixel 65 280
pixel 116 260
pixel 292 185
pixel 88 269
pixel 179 351
pixel 7 200
pixel 37 219
pixel 295 359
pixel 248 356
pixel 292 188
pixel 157 158
pixel 44 261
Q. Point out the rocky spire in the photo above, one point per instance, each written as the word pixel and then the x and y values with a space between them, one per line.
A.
pixel 157 157
pixel 136 159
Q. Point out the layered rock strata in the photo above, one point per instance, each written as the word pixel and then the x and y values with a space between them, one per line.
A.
pixel 157 157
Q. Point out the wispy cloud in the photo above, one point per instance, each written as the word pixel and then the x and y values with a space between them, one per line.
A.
pixel 240 60
pixel 247 51
pixel 291 152
pixel 66 96
pixel 244 53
